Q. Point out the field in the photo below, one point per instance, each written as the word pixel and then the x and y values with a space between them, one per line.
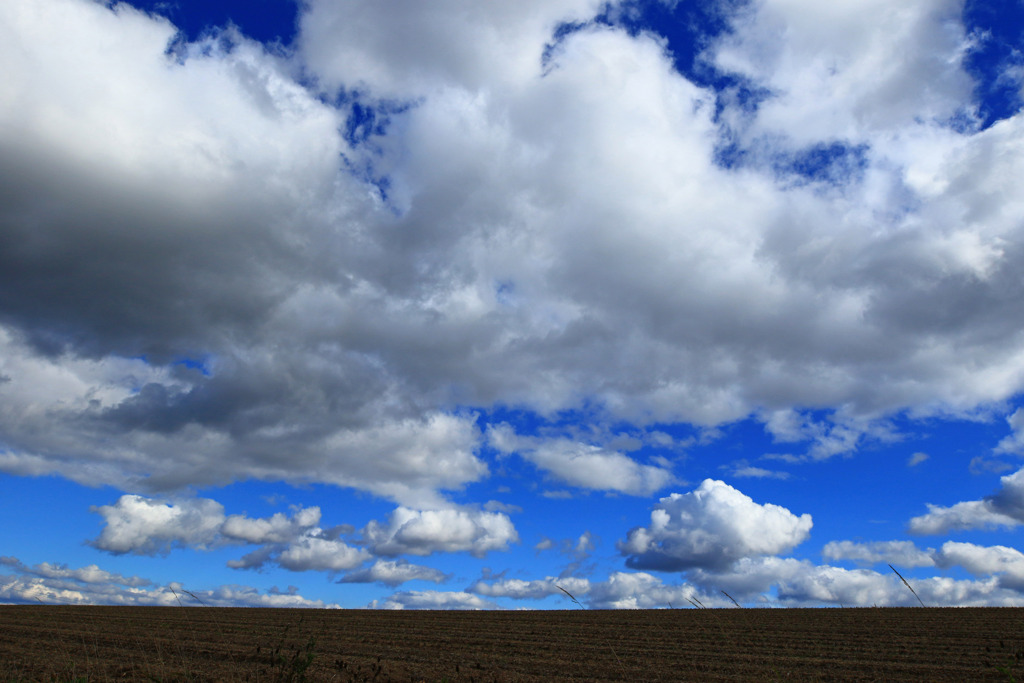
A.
pixel 207 644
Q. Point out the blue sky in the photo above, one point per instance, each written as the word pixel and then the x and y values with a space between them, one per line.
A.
pixel 459 304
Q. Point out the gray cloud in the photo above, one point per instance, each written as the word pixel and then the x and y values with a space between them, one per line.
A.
pixel 199 284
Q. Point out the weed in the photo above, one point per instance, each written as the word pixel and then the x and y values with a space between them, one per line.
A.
pixel 731 598
pixel 907 585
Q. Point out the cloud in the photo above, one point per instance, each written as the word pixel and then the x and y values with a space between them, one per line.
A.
pixel 91 574
pixel 53 584
pixel 407 48
pixel 744 470
pixel 446 600
pixel 639 590
pixel 798 583
pixel 980 561
pixel 900 553
pixel 144 526
pixel 779 581
pixel 426 532
pixel 1015 442
pixel 391 573
pixel 916 459
pixel 848 69
pixel 310 553
pixel 204 279
pixel 622 590
pixel 1004 508
pixel 712 526
pixel 583 465
pixel 278 528
pixel 517 589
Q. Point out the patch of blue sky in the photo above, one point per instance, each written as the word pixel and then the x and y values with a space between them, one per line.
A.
pixel 995 58
pixel 834 164
pixel 268 21
pixel 54 509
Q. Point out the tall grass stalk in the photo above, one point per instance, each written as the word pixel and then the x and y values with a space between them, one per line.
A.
pixel 908 585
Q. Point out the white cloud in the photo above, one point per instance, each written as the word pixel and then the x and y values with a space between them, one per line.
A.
pixel 279 528
pixel 744 470
pixel 1004 508
pixel 392 573
pixel 983 561
pixel 638 590
pixel 1015 442
pixel 91 574
pixel 537 589
pixel 583 465
pixel 447 600
pixel 712 526
pixel 826 585
pixel 91 585
pixel 916 459
pixel 972 514
pixel 900 553
pixel 310 553
pixel 847 69
pixel 862 587
pixel 797 583
pixel 424 532
pixel 144 526
pixel 401 48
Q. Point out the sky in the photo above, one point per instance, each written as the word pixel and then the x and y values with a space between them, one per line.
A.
pixel 462 305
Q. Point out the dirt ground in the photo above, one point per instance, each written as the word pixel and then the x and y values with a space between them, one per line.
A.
pixel 216 644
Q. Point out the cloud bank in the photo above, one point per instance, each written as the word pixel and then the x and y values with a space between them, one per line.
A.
pixel 202 270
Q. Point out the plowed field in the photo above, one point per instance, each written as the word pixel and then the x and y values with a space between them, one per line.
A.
pixel 207 644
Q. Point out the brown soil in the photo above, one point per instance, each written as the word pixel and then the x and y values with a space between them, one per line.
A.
pixel 215 644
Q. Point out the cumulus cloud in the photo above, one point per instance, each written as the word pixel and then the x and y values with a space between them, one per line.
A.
pixel 393 573
pixel 1004 508
pixel 320 554
pixel 712 526
pixel 407 48
pixel 145 526
pixel 279 528
pixel 850 69
pixel 424 532
pixel 204 279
